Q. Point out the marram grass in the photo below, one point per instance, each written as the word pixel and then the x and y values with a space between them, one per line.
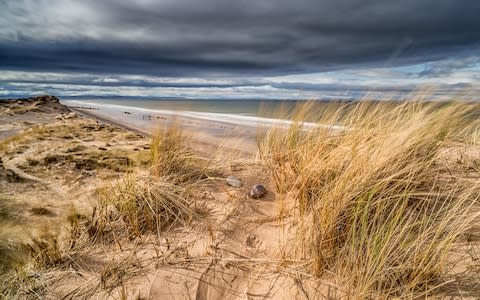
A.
pixel 374 209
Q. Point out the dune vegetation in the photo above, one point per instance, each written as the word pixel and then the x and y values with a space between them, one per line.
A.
pixel 380 203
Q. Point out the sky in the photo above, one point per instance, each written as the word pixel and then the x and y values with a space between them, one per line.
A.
pixel 243 49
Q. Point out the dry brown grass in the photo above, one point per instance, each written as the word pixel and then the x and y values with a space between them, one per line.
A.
pixel 155 202
pixel 135 206
pixel 13 250
pixel 374 208
pixel 13 238
pixel 38 259
pixel 172 157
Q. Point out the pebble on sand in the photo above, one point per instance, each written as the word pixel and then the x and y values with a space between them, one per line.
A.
pixel 234 181
pixel 258 191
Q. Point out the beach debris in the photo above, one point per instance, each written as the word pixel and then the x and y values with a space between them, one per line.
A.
pixel 234 181
pixel 258 191
pixel 149 117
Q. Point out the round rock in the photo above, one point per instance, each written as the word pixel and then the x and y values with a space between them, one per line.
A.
pixel 258 191
pixel 234 181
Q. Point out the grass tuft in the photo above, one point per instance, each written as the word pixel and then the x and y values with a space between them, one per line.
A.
pixel 140 205
pixel 171 157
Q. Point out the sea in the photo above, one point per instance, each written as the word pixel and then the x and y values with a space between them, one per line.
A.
pixel 252 108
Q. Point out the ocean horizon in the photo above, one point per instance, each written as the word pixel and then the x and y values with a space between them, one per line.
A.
pixel 252 108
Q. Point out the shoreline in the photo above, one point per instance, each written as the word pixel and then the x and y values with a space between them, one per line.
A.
pixel 203 130
pixel 203 142
pixel 226 119
pixel 85 113
pixel 233 132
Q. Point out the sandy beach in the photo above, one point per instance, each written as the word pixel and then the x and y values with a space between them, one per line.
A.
pixel 65 171
pixel 230 131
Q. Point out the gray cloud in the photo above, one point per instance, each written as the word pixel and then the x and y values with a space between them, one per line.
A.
pixel 450 66
pixel 217 38
pixel 127 81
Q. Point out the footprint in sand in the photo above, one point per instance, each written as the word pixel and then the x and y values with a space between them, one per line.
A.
pixel 252 241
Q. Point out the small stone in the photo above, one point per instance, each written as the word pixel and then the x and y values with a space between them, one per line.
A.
pixel 258 191
pixel 234 181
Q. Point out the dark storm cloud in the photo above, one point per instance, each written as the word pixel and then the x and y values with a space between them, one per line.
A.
pixel 217 37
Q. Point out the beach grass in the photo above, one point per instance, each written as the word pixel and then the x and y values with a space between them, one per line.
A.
pixel 376 206
pixel 171 156
pixel 134 206
pixel 154 202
